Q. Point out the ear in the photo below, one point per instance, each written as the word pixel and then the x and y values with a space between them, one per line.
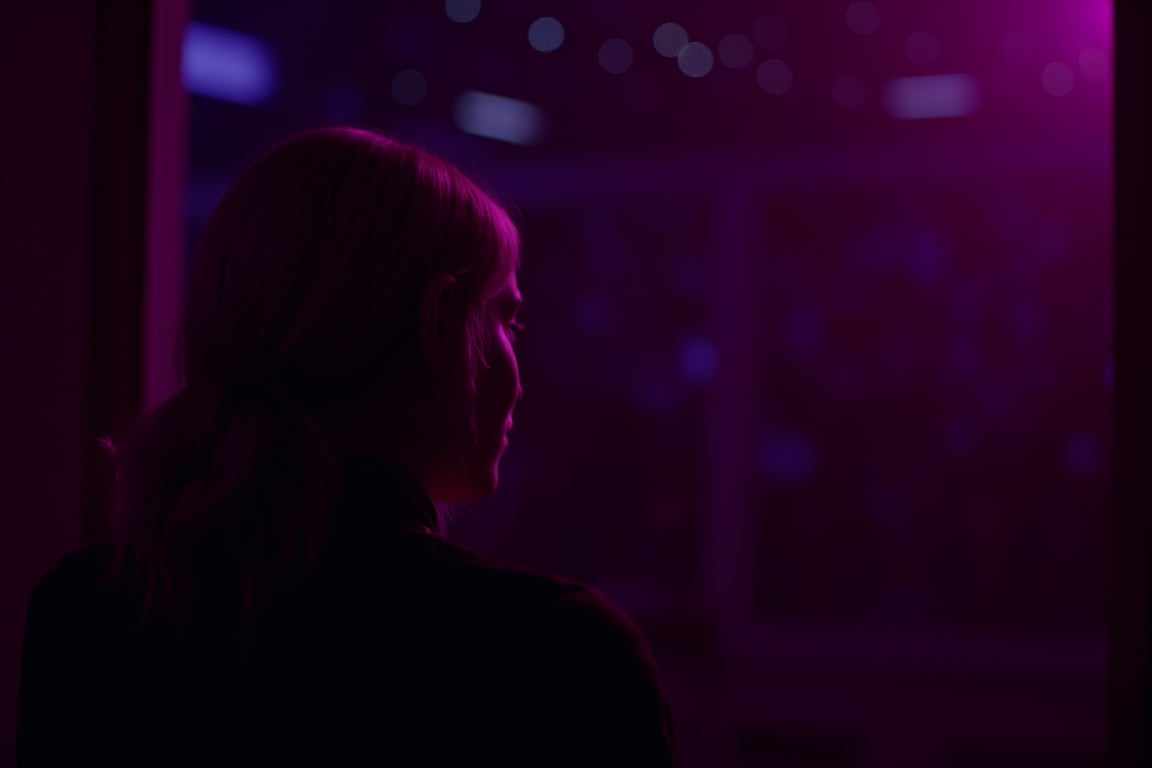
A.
pixel 436 322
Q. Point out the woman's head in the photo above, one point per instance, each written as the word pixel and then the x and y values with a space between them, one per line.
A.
pixel 373 279
pixel 350 294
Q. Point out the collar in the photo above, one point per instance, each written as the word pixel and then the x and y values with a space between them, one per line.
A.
pixel 378 496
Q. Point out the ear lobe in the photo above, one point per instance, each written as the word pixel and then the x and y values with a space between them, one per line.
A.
pixel 434 341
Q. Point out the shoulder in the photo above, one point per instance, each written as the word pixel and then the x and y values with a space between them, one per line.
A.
pixel 489 579
pixel 601 644
pixel 66 617
pixel 75 578
pixel 563 614
pixel 584 614
pixel 600 682
pixel 80 596
pixel 584 663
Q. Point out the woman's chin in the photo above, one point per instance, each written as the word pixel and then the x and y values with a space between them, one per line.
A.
pixel 488 481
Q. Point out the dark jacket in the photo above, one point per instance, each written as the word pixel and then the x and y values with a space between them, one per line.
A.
pixel 404 650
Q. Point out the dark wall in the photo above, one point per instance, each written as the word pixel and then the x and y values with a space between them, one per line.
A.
pixel 46 194
pixel 1131 529
pixel 74 150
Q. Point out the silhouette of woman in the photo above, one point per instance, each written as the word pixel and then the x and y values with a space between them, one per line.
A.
pixel 274 588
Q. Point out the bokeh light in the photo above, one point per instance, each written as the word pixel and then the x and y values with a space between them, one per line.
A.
pixel 1017 49
pixel 462 11
pixel 1082 454
pixel 1058 78
pixel 343 104
pixel 1093 64
pixel 787 459
pixel 409 87
pixel 921 48
pixel 931 96
pixel 736 51
pixel 669 38
pixel 804 327
pixel 849 92
pixel 695 59
pixel 499 118
pixel 699 359
pixel 615 56
pixel 546 34
pixel 228 65
pixel 863 17
pixel 771 33
pixel 774 76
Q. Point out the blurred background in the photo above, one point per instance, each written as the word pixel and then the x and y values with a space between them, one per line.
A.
pixel 818 359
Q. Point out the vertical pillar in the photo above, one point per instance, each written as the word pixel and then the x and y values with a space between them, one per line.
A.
pixel 1131 674
pixel 167 167
pixel 83 207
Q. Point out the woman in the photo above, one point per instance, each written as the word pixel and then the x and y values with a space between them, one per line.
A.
pixel 275 587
